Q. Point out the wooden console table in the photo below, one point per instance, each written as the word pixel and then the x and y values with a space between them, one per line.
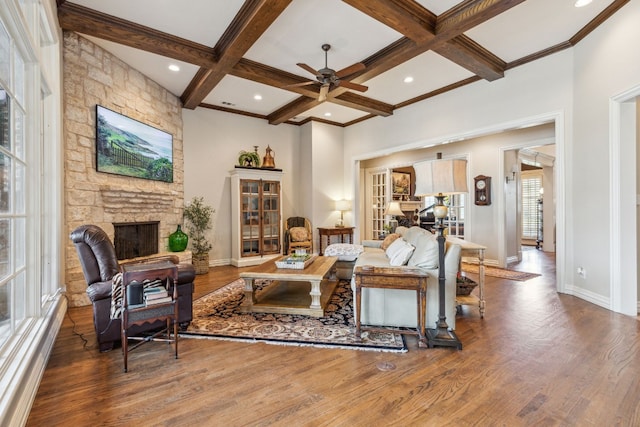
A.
pixel 335 231
pixel 414 279
pixel 472 249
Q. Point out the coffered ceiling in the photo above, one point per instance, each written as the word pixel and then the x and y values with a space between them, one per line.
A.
pixel 229 52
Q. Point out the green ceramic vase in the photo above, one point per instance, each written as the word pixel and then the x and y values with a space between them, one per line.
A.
pixel 178 240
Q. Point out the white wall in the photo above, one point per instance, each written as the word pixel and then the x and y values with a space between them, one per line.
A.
pixel 604 67
pixel 212 141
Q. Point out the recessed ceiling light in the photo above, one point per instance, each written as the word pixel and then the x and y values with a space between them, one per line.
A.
pixel 257 97
pixel 408 79
pixel 580 3
pixel 174 67
pixel 327 114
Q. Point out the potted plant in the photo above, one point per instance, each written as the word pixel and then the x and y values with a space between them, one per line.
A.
pixel 198 216
pixel 249 158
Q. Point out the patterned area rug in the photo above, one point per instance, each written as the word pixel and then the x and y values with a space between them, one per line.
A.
pixel 217 315
pixel 499 272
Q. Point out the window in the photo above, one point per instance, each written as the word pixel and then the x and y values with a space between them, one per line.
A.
pixel 12 189
pixel 531 185
pixel 454 222
pixel 378 202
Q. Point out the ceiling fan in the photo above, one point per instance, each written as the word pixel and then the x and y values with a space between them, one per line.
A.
pixel 328 77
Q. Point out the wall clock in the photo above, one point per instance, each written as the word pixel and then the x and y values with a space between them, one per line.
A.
pixel 482 189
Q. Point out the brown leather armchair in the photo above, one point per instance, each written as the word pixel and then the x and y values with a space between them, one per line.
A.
pixel 99 264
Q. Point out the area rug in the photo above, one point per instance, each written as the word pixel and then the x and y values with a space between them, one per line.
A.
pixel 217 315
pixel 499 272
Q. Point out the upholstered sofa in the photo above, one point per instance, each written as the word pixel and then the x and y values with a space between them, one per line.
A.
pixel 418 248
pixel 100 264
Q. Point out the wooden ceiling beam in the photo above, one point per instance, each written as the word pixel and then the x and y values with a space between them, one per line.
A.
pixel 73 17
pixel 261 73
pixel 475 58
pixel 292 109
pixel 443 35
pixel 362 103
pixel 469 14
pixel 249 24
pixel 405 16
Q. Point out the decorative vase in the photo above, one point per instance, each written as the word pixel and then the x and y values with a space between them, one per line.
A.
pixel 200 263
pixel 178 240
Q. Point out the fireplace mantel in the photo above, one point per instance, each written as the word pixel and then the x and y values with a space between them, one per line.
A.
pixel 120 200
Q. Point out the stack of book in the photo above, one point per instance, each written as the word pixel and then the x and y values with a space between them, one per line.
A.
pixel 156 295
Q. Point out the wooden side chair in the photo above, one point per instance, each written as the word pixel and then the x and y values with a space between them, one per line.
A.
pixel 298 235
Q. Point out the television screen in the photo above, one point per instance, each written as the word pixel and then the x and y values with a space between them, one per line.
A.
pixel 125 146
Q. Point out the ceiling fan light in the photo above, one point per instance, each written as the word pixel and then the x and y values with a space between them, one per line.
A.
pixel 581 3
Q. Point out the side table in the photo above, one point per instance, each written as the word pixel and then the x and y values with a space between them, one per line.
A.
pixel 393 278
pixel 470 248
pixel 335 231
pixel 139 315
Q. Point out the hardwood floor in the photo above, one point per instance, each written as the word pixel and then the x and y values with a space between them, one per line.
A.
pixel 537 358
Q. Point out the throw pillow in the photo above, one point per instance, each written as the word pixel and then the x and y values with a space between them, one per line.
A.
pixel 344 251
pixel 426 252
pixel 389 240
pixel 298 234
pixel 399 252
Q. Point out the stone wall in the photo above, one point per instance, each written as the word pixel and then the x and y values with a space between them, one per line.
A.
pixel 93 76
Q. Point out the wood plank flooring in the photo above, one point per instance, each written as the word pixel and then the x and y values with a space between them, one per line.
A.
pixel 537 358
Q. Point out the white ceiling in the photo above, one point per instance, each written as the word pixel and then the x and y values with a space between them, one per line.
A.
pixel 298 33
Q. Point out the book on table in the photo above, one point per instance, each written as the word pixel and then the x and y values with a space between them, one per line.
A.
pixel 159 300
pixel 155 293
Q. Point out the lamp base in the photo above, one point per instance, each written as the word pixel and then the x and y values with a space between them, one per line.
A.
pixel 443 338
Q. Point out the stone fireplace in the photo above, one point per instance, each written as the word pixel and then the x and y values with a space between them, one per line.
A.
pixel 93 76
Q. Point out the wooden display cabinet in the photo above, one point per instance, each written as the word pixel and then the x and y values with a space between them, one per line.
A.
pixel 256 201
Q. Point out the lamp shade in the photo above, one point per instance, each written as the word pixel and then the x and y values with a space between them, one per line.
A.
pixel 448 176
pixel 343 205
pixel 394 209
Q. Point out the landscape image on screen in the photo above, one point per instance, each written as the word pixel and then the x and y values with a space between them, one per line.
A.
pixel 125 146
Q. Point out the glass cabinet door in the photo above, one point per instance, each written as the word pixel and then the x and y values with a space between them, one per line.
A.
pixel 260 221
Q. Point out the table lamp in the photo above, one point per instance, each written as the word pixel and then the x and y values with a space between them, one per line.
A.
pixel 394 209
pixel 438 178
pixel 342 206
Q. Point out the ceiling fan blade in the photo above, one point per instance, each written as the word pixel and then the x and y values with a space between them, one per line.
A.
pixel 359 66
pixel 324 90
pixel 310 82
pixel 350 85
pixel 308 68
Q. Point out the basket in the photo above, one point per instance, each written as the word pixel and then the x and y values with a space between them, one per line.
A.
pixel 464 286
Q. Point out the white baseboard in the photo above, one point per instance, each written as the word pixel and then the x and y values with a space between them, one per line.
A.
pixel 589 296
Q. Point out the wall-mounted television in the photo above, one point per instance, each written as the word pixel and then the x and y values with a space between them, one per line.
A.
pixel 125 146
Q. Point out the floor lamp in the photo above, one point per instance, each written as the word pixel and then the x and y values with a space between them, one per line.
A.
pixel 440 178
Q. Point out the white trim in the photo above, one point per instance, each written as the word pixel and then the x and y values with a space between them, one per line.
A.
pixel 623 292
pixel 21 380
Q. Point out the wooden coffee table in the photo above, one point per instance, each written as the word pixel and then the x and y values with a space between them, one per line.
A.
pixel 289 292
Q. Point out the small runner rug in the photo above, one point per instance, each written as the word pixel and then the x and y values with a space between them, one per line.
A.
pixel 499 272
pixel 217 316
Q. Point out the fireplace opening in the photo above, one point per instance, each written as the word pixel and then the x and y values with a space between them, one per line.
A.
pixel 135 239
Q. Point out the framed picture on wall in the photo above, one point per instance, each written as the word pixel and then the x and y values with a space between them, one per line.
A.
pixel 401 183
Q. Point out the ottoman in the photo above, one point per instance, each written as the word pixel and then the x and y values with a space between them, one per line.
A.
pixel 347 254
